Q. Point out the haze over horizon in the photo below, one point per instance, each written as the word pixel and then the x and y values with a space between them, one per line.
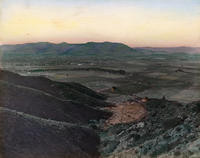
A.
pixel 144 23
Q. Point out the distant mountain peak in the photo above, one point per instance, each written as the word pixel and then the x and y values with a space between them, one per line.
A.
pixel 89 48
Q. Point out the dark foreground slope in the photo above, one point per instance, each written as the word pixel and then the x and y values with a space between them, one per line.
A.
pixel 27 136
pixel 40 118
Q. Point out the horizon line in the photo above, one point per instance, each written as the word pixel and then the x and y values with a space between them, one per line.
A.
pixel 179 46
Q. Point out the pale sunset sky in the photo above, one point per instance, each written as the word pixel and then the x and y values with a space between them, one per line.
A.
pixel 155 23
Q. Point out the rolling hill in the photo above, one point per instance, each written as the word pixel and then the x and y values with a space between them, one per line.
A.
pixel 65 91
pixel 37 120
pixel 38 96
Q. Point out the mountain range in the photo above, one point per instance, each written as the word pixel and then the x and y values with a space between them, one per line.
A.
pixel 90 48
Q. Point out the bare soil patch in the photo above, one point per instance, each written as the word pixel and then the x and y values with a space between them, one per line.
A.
pixel 125 113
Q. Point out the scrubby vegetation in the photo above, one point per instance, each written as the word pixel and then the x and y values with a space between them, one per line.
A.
pixel 170 130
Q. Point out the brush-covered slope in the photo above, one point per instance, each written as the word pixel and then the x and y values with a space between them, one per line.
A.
pixel 65 91
pixel 170 130
pixel 26 136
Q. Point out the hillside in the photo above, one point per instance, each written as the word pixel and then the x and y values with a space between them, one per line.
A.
pixel 44 105
pixel 170 129
pixel 27 136
pixel 37 96
pixel 37 120
pixel 65 91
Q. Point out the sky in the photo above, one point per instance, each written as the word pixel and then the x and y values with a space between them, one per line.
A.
pixel 137 23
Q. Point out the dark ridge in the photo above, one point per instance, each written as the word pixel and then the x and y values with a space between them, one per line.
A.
pixel 68 91
pixel 44 105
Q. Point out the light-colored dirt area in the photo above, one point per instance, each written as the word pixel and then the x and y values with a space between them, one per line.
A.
pixel 125 113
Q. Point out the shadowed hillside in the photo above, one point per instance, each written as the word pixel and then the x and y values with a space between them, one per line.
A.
pixel 26 136
pixel 44 105
pixel 36 116
pixel 65 91
pixel 62 102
